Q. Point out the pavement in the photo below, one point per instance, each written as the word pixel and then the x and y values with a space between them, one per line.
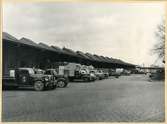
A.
pixel 126 99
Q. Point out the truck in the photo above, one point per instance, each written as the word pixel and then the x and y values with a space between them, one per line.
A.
pixel 116 72
pixel 100 74
pixel 126 72
pixel 79 72
pixel 62 80
pixel 106 72
pixel 26 77
pixel 158 74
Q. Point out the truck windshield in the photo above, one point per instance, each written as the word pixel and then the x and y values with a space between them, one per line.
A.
pixel 92 71
pixel 38 71
pixel 31 71
pixel 54 72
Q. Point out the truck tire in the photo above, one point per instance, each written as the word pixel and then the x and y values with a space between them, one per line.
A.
pixel 39 86
pixel 61 83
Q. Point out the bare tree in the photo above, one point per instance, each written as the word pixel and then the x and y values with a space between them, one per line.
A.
pixel 159 48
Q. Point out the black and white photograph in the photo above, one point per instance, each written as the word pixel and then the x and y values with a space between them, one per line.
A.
pixel 83 61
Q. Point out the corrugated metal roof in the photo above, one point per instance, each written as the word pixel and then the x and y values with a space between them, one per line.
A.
pixel 67 51
pixel 111 60
pixel 9 37
pixel 70 52
pixel 56 48
pixel 93 57
pixel 118 61
pixel 23 41
pixel 108 61
pixel 28 42
pixel 99 58
pixel 129 64
pixel 83 55
pixel 89 57
pixel 121 62
pixel 44 46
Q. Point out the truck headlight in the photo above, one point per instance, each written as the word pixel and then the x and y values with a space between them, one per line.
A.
pixel 46 79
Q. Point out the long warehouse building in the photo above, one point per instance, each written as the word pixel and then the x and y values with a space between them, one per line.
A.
pixel 27 53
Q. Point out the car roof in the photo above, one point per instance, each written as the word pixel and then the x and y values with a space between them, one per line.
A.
pixel 50 69
pixel 38 69
pixel 25 68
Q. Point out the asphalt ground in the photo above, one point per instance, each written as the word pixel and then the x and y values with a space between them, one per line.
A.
pixel 126 99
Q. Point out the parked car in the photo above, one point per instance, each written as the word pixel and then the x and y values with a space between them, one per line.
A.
pixel 126 72
pixel 106 74
pixel 111 71
pixel 62 81
pixel 136 71
pixel 26 77
pixel 115 74
pixel 158 75
pixel 93 74
pixel 100 75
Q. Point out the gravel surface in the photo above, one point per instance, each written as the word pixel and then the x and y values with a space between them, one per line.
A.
pixel 126 99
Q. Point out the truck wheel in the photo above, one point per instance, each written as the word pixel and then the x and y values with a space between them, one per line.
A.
pixel 39 86
pixel 61 83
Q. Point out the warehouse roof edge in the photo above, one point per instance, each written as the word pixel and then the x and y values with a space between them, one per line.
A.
pixel 69 52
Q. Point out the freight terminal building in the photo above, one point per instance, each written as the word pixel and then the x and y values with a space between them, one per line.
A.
pixel 26 53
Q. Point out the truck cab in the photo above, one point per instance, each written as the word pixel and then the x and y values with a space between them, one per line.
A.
pixel 84 74
pixel 100 75
pixel 78 72
pixel 61 80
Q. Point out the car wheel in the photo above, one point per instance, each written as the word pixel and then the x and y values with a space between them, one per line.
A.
pixel 61 83
pixel 39 86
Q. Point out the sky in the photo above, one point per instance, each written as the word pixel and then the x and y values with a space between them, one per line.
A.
pixel 120 30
